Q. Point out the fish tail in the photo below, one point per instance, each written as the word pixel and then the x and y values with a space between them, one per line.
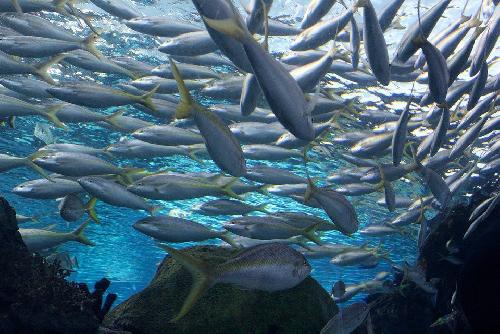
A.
pixel 186 103
pixel 262 208
pixel 228 190
pixel 129 172
pixel 230 26
pixel 301 241
pixel 312 100
pixel 359 4
pixel 310 233
pixel 264 189
pixel 12 121
pixel 202 278
pixel 42 69
pixel 192 154
pixel 474 22
pixel 17 7
pixel 111 118
pixel 147 99
pixel 35 167
pixel 227 238
pixel 60 4
pixel 89 44
pixel 333 50
pixel 51 114
pixel 80 237
pixel 91 210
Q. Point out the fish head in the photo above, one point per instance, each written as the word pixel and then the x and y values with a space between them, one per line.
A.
pixel 147 225
pixel 49 158
pixel 302 268
pixel 22 189
pixel 90 182
pixel 236 228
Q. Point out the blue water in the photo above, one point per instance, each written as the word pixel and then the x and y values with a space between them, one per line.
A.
pixel 129 258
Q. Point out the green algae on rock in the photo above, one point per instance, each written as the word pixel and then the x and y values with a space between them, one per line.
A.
pixel 224 308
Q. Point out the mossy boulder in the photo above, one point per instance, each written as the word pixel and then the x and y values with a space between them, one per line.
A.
pixel 223 308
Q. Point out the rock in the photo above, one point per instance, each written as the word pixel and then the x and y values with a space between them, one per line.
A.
pixel 224 308
pixel 35 297
pixel 472 276
pixel 409 312
pixel 104 330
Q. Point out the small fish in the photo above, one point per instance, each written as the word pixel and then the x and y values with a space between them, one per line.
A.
pixel 222 10
pixel 173 229
pixel 282 92
pixel 439 76
pixel 258 10
pixel 63 261
pixel 485 44
pixel 440 133
pixel 347 319
pixel 37 240
pixel 374 43
pixel 114 194
pixel 478 87
pixel 467 138
pixel 193 43
pixel 223 147
pixel 54 188
pixel 316 10
pixel 71 208
pixel 273 175
pixel 167 135
pixel 400 134
pixel 492 204
pixel 39 47
pixel 27 86
pixel 137 149
pixel 268 267
pixel 42 131
pixel 160 26
pixel 336 206
pixel 121 9
pixel 321 32
pixel 267 230
pixel 99 96
pixel 229 207
pixel 8 162
pixel 10 106
pixel 407 47
pixel 355 44
pixel 79 164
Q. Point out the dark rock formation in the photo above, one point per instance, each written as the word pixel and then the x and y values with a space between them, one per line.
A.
pixel 35 298
pixel 471 271
pixel 224 308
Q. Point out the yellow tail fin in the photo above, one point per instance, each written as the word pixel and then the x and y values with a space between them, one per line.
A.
pixel 80 237
pixel 186 103
pixel 91 209
pixel 201 277
pixel 147 99
pixel 89 45
pixel 51 114
pixel 43 68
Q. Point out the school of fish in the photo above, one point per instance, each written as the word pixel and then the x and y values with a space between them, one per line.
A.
pixel 294 106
